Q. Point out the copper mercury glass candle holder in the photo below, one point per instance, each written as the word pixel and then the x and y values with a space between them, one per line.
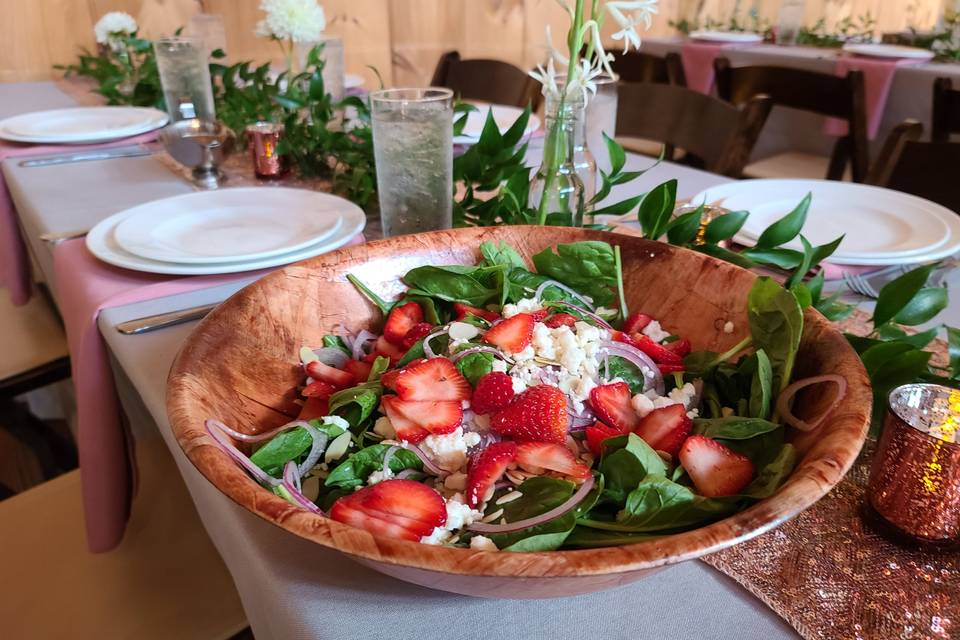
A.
pixel 914 490
pixel 263 139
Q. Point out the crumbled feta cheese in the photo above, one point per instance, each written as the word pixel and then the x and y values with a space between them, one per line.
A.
pixel 449 451
pixel 383 427
pixel 693 414
pixel 379 476
pixel 728 327
pixel 459 516
pixel 498 365
pixel 522 306
pixel 335 421
pixel 684 395
pixel 527 353
pixel 655 332
pixel 482 543
pixel 642 405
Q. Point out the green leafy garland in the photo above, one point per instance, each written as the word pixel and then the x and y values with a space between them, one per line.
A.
pixel 125 76
pixel 848 30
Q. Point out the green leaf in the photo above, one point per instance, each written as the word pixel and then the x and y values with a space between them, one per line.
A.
pixel 626 371
pixel 626 461
pixel 776 324
pixel 336 342
pixel 618 157
pixel 802 293
pixel 290 445
pixel 824 251
pixel 588 538
pixel 476 286
pixel 656 208
pixel 733 427
pixel 381 304
pixel 804 266
pixel 501 254
pixel 475 366
pixel 619 208
pixel 540 494
pixel 785 259
pixel 876 356
pixel 587 267
pixel 898 293
pixel 683 230
pixel 356 404
pixel 787 228
pixel 719 252
pixel 655 500
pixel 771 477
pixel 761 386
pixel 924 307
pixel 490 139
pixel 354 471
pixel 380 366
pixel 725 227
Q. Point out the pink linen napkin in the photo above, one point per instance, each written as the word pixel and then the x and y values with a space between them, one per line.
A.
pixel 107 467
pixel 698 60
pixel 878 79
pixel 14 261
pixel 839 271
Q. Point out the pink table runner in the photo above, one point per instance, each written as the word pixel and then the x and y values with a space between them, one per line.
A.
pixel 698 60
pixel 107 466
pixel 878 79
pixel 14 261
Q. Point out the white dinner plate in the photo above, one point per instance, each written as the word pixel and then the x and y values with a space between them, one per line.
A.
pixel 230 225
pixel 880 226
pixel 102 243
pixel 503 115
pixel 888 51
pixel 352 81
pixel 80 125
pixel 739 37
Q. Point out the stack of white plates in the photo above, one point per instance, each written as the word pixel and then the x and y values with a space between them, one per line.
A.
pixel 226 231
pixel 503 115
pixel 877 50
pixel 880 226
pixel 81 125
pixel 730 37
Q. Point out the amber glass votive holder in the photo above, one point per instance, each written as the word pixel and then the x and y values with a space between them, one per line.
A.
pixel 914 490
pixel 263 139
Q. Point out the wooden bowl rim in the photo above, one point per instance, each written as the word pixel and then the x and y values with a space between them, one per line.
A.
pixel 806 485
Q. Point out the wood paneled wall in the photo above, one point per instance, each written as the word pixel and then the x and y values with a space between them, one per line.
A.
pixel 402 39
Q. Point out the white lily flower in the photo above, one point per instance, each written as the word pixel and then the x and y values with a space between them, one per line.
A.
pixel 628 14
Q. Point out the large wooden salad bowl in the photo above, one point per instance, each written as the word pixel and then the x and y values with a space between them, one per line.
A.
pixel 241 366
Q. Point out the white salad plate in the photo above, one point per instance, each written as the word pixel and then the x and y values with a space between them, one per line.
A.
pixel 734 37
pixel 888 51
pixel 102 243
pixel 80 125
pixel 503 115
pixel 352 81
pixel 880 226
pixel 229 225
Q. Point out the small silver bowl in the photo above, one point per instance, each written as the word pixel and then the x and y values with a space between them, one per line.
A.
pixel 200 145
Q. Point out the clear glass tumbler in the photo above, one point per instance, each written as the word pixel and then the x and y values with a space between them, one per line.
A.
pixel 185 77
pixel 413 150
pixel 333 65
pixel 602 119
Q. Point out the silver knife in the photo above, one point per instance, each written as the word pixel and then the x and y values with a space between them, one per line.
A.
pixel 85 156
pixel 57 238
pixel 163 320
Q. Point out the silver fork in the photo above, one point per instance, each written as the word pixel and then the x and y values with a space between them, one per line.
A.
pixel 858 284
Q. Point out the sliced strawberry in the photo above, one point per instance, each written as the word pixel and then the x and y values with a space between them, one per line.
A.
pixel 314 408
pixel 636 323
pixel 560 320
pixel 667 369
pixel 596 434
pixel 433 379
pixel 539 315
pixel 611 403
pixel 394 509
pixel 463 310
pixel 539 414
pixel 680 347
pixel 659 353
pixel 513 334
pixel 400 320
pixel 417 331
pixel 319 371
pixel 494 392
pixel 553 457
pixel 318 389
pixel 415 420
pixel 486 468
pixel 384 347
pixel 666 428
pixel 620 336
pixel 358 369
pixel 716 470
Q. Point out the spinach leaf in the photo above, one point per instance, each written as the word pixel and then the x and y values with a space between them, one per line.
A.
pixel 290 445
pixel 773 475
pixel 587 267
pixel 540 494
pixel 380 365
pixel 761 386
pixel 776 325
pixel 626 371
pixel 370 295
pixel 337 343
pixel 476 286
pixel 627 460
pixel 354 471
pixel 356 404
pixel 416 352
pixel 475 366
pixel 587 538
pixel 733 428
pixel 501 254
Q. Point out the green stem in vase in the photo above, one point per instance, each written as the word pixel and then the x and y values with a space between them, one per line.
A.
pixel 554 154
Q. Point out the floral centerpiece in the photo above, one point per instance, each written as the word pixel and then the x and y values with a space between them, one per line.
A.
pixel 291 22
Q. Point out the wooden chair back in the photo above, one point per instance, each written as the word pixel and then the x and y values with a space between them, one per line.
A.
pixel 821 93
pixel 715 132
pixel 490 81
pixel 946 110
pixel 920 168
pixel 636 66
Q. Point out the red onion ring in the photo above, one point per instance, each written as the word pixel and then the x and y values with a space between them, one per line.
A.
pixel 408 474
pixel 224 444
pixel 553 283
pixel 260 437
pixel 428 464
pixel 387 457
pixel 317 447
pixel 289 475
pixel 510 527
pixel 332 356
pixel 480 349
pixel 639 359
pixel 603 324
pixel 784 401
pixel 362 338
pixel 427 349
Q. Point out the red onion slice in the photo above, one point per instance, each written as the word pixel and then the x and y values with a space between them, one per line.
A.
pixel 410 474
pixel 556 512
pixel 260 437
pixel 387 457
pixel 553 283
pixel 786 397
pixel 316 448
pixel 600 322
pixel 223 442
pixel 332 356
pixel 427 349
pixel 291 475
pixel 357 350
pixel 639 359
pixel 428 464
pixel 292 485
pixel 481 349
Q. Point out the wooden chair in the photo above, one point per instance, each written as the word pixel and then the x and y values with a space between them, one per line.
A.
pixel 920 168
pixel 490 81
pixel 637 66
pixel 946 110
pixel 717 135
pixel 820 93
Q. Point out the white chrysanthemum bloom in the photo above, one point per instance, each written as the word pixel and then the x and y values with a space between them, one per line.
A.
pixel 295 20
pixel 113 26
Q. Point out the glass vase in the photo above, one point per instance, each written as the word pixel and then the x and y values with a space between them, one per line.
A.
pixel 558 188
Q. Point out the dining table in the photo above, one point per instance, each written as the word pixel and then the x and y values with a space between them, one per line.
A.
pixel 291 588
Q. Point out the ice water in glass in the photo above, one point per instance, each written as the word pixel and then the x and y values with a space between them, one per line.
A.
pixel 185 77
